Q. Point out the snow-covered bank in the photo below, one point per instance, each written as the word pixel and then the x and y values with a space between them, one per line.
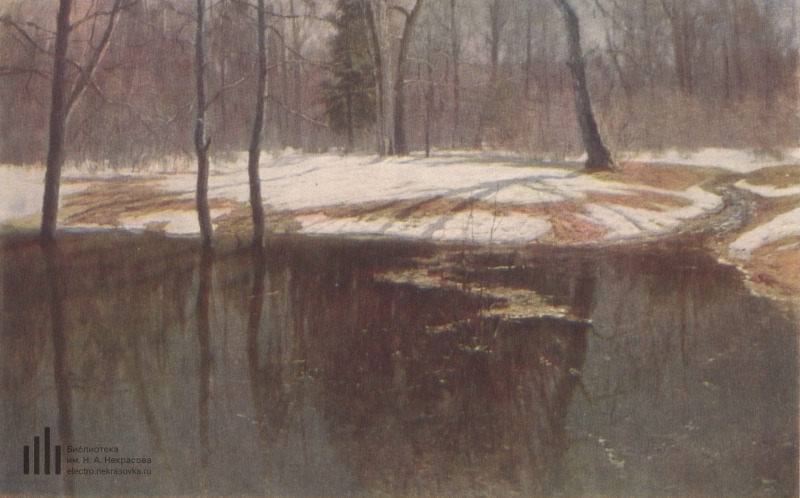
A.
pixel 738 161
pixel 489 198
pixel 780 227
pixel 768 190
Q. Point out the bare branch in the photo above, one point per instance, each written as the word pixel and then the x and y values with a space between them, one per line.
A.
pixel 225 89
pixel 15 70
pixel 97 54
pixel 296 113
pixel 401 10
pixel 8 22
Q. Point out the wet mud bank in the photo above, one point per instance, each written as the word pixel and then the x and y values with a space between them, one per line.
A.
pixel 343 366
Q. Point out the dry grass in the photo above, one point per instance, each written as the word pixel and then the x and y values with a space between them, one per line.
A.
pixel 658 176
pixel 240 222
pixel 766 208
pixel 774 269
pixel 105 203
pixel 568 228
pixel 653 201
pixel 778 176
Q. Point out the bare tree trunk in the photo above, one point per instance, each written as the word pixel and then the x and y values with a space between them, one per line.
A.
pixel 60 107
pixel 201 142
pixel 599 158
pixel 400 146
pixel 496 27
pixel 379 43
pixel 254 154
pixel 455 48
pixel 528 52
pixel 58 120
pixel 429 97
pixel 681 23
pixel 297 86
pixel 351 139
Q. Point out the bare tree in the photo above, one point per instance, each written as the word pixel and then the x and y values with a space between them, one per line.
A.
pixel 497 20
pixel 599 158
pixel 62 102
pixel 682 21
pixel 255 138
pixel 400 146
pixel 455 50
pixel 377 22
pixel 201 141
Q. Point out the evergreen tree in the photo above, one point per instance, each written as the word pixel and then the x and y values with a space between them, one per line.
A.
pixel 350 89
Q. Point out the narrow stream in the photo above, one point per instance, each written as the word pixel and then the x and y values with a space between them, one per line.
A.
pixel 329 366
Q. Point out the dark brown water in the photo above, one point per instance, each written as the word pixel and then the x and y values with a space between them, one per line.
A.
pixel 350 367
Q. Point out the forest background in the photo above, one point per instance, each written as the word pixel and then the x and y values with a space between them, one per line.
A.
pixel 474 74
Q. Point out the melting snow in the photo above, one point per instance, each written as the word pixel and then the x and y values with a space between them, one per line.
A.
pixel 783 225
pixel 739 161
pixel 309 182
pixel 768 190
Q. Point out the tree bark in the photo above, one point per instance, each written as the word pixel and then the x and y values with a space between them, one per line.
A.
pixel 376 21
pixel 400 146
pixel 496 27
pixel 58 119
pixel 201 142
pixel 455 48
pixel 254 153
pixel 599 159
pixel 60 107
pixel 528 53
pixel 429 96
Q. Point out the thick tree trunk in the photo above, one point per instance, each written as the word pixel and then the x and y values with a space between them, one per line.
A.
pixel 201 143
pixel 58 121
pixel 62 104
pixel 254 153
pixel 599 158
pixel 400 146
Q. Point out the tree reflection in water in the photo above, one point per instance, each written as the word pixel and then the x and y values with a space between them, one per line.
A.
pixel 317 374
pixel 61 377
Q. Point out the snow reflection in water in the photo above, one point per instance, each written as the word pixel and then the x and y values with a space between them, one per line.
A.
pixel 336 367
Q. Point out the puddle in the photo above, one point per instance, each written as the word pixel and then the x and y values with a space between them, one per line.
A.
pixel 362 367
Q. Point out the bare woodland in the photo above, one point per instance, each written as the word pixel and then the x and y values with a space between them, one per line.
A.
pixel 125 81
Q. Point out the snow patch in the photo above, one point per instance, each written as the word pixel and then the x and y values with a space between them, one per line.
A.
pixel 478 227
pixel 739 161
pixel 768 190
pixel 624 221
pixel 180 222
pixel 22 191
pixel 783 225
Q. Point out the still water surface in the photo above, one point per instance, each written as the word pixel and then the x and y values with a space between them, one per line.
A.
pixel 326 366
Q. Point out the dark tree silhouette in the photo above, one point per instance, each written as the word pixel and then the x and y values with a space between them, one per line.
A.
pixel 254 153
pixel 400 146
pixel 201 142
pixel 599 159
pixel 350 89
pixel 62 103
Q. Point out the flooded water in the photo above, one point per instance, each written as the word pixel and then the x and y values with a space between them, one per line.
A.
pixel 326 366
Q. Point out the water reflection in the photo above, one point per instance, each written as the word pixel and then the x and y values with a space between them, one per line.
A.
pixel 204 344
pixel 303 369
pixel 61 376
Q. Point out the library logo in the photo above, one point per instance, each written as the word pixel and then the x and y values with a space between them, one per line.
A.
pixel 37 450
